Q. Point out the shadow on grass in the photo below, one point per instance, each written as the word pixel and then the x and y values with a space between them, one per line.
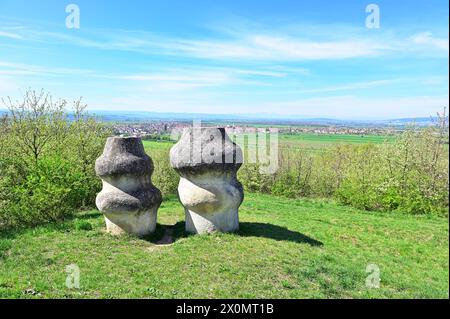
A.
pixel 168 234
pixel 90 214
pixel 275 232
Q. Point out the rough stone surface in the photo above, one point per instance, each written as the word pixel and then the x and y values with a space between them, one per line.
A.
pixel 207 161
pixel 128 199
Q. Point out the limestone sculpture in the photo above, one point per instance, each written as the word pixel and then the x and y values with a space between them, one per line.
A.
pixel 128 200
pixel 207 161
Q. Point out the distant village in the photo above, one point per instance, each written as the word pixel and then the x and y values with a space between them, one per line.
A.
pixel 159 129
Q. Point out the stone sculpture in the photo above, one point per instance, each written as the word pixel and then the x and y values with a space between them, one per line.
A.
pixel 128 200
pixel 207 161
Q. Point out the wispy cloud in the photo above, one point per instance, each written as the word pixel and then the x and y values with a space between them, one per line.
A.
pixel 10 35
pixel 254 45
pixel 228 70
pixel 297 49
pixel 351 86
pixel 257 43
pixel 263 48
pixel 28 69
pixel 181 79
pixel 427 39
pixel 190 78
pixel 172 79
pixel 273 74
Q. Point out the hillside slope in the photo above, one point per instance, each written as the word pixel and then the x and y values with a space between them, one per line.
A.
pixel 284 249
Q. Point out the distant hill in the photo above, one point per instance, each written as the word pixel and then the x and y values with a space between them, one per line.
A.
pixel 137 116
pixel 117 116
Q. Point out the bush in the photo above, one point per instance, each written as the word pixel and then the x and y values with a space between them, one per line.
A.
pixel 46 161
pixel 164 176
pixel 409 175
pixel 45 194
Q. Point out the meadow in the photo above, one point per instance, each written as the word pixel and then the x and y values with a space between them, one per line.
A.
pixel 318 142
pixel 285 248
pixel 305 141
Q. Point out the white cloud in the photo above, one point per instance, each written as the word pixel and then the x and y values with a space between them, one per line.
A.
pixel 28 69
pixel 166 79
pixel 258 54
pixel 10 35
pixel 351 86
pixel 297 49
pixel 263 45
pixel 258 43
pixel 186 78
pixel 426 38
pixel 181 79
pixel 272 74
pixel 266 48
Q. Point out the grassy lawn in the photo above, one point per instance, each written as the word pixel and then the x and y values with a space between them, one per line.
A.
pixel 284 249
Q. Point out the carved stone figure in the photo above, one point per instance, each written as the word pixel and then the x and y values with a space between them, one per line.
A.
pixel 207 161
pixel 128 199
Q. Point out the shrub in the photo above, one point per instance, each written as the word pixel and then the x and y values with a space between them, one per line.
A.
pixel 46 160
pixel 410 174
pixel 164 176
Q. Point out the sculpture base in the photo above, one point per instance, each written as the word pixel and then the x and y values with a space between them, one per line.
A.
pixel 217 222
pixel 138 224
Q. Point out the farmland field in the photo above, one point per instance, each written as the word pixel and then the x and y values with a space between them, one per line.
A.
pixel 317 142
pixel 307 141
pixel 335 138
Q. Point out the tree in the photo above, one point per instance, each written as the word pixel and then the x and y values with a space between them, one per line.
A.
pixel 35 122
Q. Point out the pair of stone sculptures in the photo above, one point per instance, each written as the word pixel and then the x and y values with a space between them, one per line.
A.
pixel 207 161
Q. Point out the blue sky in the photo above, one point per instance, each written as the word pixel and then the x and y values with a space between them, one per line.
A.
pixel 305 58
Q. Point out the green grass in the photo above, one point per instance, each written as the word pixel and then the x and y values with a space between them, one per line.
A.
pixel 336 138
pixel 320 142
pixel 285 249
pixel 306 141
pixel 149 145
